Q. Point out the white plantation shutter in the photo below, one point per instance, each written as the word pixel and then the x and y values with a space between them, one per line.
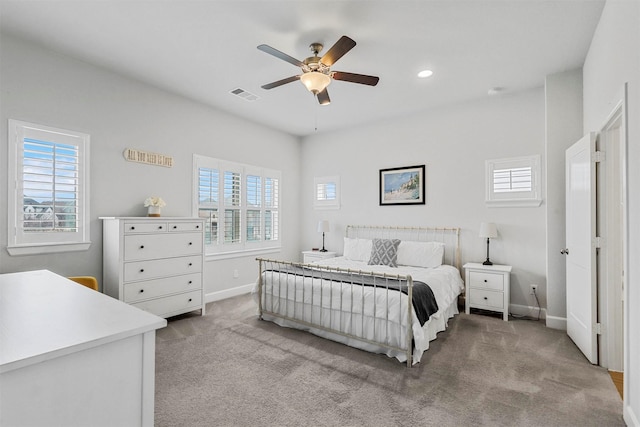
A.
pixel 232 213
pixel 513 182
pixel 254 204
pixel 326 192
pixel 246 197
pixel 208 202
pixel 271 222
pixel 48 209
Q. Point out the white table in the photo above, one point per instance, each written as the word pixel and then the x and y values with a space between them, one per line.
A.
pixel 72 356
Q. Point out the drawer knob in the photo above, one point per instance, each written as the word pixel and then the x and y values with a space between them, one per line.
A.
pixel 175 226
pixel 133 228
pixel 190 281
pixel 142 270
pixel 197 226
pixel 486 298
pixel 141 246
pixel 190 264
pixel 485 280
pixel 160 227
pixel 190 300
pixel 141 290
pixel 190 243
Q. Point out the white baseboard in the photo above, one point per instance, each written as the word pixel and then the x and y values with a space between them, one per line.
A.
pixel 555 322
pixel 629 416
pixel 228 293
pixel 527 310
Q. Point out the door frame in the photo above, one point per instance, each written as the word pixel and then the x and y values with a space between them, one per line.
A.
pixel 611 296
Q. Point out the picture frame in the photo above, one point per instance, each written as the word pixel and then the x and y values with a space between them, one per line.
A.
pixel 402 186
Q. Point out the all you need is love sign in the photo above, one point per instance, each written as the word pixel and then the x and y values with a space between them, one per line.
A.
pixel 147 157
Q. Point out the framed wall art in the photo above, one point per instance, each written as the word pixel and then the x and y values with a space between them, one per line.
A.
pixel 402 186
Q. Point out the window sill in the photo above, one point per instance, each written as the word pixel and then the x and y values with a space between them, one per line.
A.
pixel 239 254
pixel 47 248
pixel 532 203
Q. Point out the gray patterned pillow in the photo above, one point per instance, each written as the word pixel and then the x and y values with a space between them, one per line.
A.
pixel 384 252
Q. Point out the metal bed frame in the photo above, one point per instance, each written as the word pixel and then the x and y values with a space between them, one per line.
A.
pixel 322 315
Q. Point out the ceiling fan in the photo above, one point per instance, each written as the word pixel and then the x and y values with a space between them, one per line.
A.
pixel 316 72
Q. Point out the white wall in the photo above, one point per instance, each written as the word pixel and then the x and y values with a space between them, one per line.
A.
pixel 40 86
pixel 453 143
pixel 613 59
pixel 563 98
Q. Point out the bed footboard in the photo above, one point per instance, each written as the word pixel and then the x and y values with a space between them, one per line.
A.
pixel 371 308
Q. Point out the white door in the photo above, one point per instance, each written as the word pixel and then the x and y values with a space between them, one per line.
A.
pixel 580 246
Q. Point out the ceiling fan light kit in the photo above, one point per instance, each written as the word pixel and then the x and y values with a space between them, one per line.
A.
pixel 315 81
pixel 316 72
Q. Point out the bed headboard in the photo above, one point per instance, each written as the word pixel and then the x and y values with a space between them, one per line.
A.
pixel 447 235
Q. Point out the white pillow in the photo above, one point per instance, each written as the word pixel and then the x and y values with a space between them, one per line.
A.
pixel 357 249
pixel 420 254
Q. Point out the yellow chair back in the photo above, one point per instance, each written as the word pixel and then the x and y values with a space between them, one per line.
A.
pixel 88 281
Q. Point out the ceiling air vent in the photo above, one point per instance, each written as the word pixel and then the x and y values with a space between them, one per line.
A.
pixel 247 96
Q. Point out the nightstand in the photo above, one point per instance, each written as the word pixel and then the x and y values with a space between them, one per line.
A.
pixel 311 256
pixel 487 287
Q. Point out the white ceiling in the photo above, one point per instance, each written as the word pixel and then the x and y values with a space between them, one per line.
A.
pixel 204 49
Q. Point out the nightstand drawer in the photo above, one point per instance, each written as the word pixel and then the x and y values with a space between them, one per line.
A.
pixel 312 256
pixel 493 281
pixel 490 299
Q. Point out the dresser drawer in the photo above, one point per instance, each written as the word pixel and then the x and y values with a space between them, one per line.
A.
pixel 489 299
pixel 143 270
pixel 145 227
pixel 185 226
pixel 149 246
pixel 179 303
pixel 147 289
pixel 478 279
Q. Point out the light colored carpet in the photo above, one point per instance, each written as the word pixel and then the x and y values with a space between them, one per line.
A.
pixel 229 368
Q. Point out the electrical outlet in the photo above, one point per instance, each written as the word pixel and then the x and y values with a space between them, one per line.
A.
pixel 533 290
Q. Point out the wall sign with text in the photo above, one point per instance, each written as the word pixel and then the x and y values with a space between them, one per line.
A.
pixel 146 157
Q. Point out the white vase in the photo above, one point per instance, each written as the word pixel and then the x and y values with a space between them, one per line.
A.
pixel 153 211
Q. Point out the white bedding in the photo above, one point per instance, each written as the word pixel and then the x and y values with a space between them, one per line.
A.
pixel 292 301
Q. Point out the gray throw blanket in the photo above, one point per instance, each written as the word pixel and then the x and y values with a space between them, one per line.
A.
pixel 424 302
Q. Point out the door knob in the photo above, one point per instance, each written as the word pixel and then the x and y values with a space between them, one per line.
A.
pixel 565 251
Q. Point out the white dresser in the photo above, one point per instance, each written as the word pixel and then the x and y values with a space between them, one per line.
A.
pixel 488 287
pixel 155 264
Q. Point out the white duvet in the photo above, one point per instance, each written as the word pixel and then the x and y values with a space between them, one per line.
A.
pixel 330 305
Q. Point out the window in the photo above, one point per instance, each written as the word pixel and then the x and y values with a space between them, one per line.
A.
pixel 326 192
pixel 48 189
pixel 240 205
pixel 513 182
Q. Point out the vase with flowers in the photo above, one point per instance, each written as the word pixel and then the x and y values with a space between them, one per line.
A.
pixel 154 205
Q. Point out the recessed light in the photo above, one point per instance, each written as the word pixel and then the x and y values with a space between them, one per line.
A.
pixel 425 73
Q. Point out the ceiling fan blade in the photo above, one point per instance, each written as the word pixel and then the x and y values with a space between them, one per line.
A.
pixel 355 78
pixel 275 52
pixel 323 97
pixel 280 82
pixel 342 46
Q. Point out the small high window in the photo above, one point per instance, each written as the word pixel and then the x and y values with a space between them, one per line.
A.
pixel 513 182
pixel 326 192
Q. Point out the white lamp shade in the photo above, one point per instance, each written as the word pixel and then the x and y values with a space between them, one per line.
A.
pixel 488 230
pixel 323 226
